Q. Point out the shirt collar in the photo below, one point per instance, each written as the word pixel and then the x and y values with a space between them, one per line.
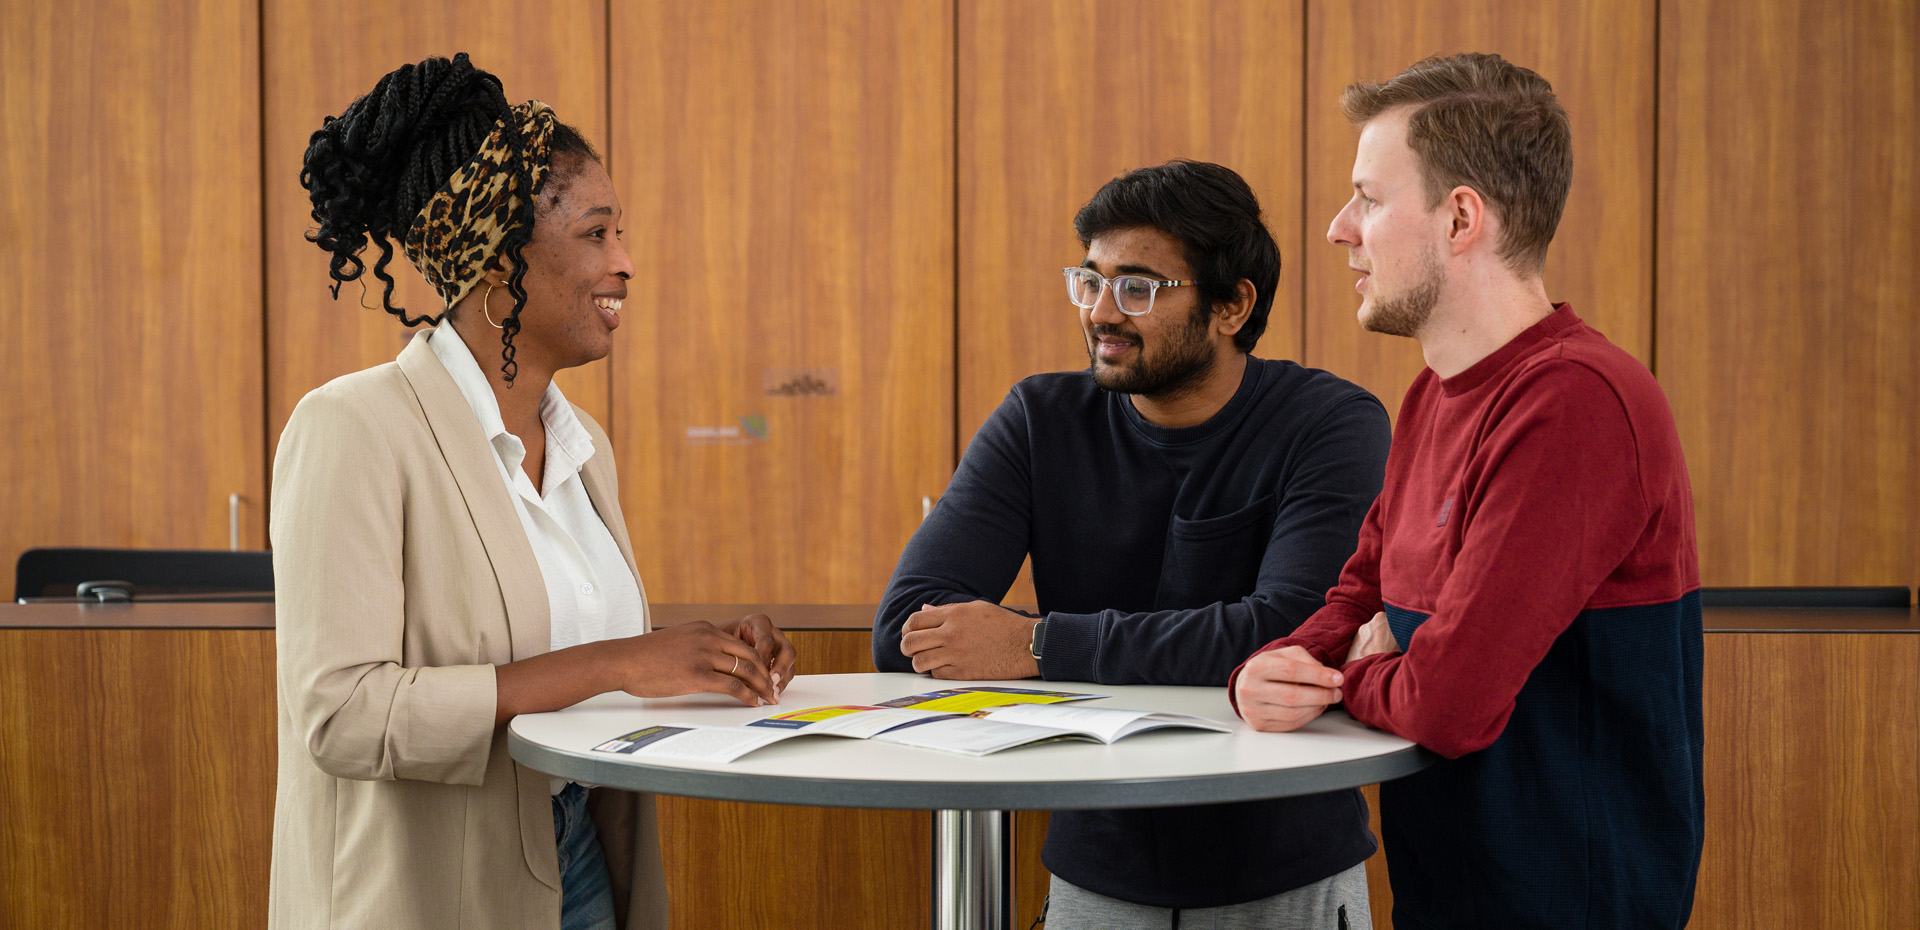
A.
pixel 1251 382
pixel 1553 325
pixel 568 443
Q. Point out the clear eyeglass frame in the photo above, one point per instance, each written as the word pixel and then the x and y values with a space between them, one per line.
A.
pixel 1132 293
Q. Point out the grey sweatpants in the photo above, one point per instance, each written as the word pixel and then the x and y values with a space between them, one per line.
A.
pixel 1310 907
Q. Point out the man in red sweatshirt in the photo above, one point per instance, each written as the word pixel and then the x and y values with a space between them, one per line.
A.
pixel 1524 600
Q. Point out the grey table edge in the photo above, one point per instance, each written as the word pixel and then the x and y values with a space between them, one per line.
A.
pixel 917 795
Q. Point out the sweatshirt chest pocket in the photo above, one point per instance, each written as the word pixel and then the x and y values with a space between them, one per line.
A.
pixel 1215 558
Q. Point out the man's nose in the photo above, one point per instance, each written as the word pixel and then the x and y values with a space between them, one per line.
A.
pixel 1341 231
pixel 1106 307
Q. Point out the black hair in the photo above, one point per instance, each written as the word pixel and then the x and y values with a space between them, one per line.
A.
pixel 1214 216
pixel 369 170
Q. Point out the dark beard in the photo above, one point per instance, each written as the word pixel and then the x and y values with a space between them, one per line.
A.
pixel 1407 314
pixel 1184 361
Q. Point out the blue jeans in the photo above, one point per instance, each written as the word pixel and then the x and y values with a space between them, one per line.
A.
pixel 586 891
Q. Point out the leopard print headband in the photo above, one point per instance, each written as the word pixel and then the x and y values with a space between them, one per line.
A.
pixel 462 226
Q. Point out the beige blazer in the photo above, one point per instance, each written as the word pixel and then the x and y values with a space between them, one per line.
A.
pixel 402 577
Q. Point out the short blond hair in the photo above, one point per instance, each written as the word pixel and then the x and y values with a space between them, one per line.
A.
pixel 1480 121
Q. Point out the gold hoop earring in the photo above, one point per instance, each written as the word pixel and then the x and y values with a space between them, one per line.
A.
pixel 483 305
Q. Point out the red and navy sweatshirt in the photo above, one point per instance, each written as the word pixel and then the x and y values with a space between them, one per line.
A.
pixel 1533 549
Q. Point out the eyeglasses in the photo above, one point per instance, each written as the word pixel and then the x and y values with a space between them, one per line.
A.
pixel 1131 292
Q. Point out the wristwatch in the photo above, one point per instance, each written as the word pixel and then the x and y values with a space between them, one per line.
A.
pixel 1039 639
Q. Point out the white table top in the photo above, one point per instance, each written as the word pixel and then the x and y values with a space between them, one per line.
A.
pixel 1154 769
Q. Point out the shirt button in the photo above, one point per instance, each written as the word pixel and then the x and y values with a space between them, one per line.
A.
pixel 586 588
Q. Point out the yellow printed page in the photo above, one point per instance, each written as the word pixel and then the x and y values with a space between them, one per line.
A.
pixel 970 700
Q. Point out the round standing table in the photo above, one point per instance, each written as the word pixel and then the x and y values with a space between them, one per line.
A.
pixel 969 795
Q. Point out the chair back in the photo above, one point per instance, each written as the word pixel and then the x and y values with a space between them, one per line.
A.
pixel 171 573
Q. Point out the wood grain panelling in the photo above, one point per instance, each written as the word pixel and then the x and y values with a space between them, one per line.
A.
pixel 831 652
pixel 733 866
pixel 1058 98
pixel 137 779
pixel 1790 200
pixel 1813 796
pixel 788 175
pixel 322 55
pixel 752 866
pixel 130 160
pixel 1599 58
pixel 1379 889
pixel 1055 99
pixel 1030 875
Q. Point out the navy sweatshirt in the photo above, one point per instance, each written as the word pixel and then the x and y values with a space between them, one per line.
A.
pixel 1163 556
pixel 1534 552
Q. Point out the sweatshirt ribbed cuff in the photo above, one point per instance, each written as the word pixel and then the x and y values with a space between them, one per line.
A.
pixel 1072 647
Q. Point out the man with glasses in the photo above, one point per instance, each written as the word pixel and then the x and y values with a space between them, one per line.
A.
pixel 1182 502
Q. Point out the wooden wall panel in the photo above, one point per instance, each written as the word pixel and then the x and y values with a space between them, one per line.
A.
pixel 1055 99
pixel 137 779
pixel 1030 875
pixel 1788 229
pixel 788 175
pixel 831 652
pixel 131 164
pixel 752 866
pixel 1600 60
pixel 322 55
pixel 1379 888
pixel 1813 796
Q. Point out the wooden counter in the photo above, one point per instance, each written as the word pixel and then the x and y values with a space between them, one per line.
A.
pixel 137 779
pixel 41 614
pixel 253 615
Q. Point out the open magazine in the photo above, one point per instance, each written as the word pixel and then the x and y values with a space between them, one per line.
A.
pixel 974 721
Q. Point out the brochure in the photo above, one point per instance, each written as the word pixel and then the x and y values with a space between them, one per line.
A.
pixel 969 700
pixel 994 729
pixel 974 721
pixel 687 741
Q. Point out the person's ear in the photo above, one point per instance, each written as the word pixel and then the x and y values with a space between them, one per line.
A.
pixel 1467 218
pixel 500 269
pixel 1229 317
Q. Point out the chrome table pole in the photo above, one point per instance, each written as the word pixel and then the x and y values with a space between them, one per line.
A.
pixel 970 870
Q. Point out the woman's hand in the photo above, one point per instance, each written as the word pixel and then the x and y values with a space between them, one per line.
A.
pixel 748 658
pixel 776 653
pixel 700 657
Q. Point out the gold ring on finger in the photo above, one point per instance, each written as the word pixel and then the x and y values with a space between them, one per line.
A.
pixel 736 665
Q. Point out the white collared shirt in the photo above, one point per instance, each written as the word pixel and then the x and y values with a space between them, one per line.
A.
pixel 593 594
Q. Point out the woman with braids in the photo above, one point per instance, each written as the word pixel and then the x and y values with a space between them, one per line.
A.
pixel 448 544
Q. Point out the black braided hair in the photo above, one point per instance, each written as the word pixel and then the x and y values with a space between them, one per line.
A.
pixel 371 169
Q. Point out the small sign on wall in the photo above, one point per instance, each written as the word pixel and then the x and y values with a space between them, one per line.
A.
pixel 801 382
pixel 750 429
